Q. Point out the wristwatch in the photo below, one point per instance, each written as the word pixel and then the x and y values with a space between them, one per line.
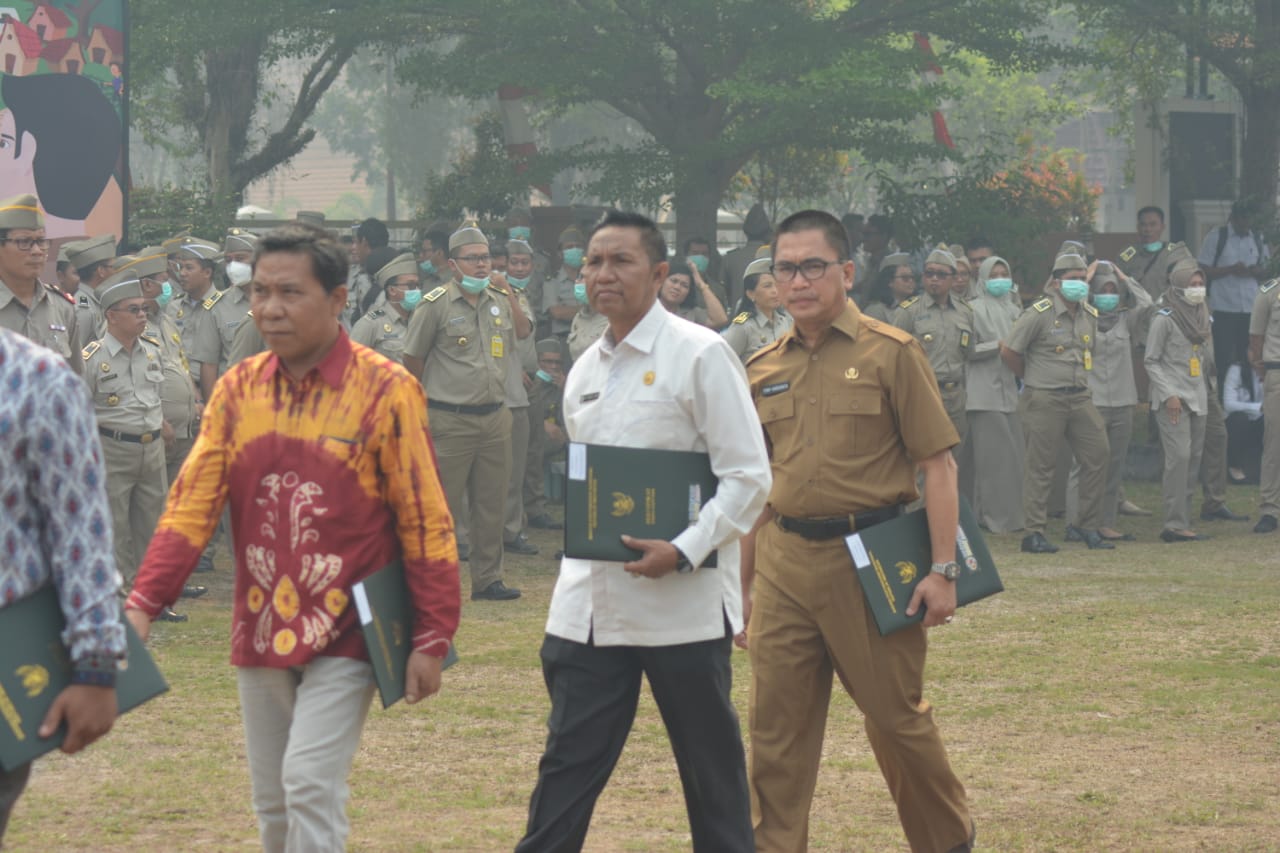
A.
pixel 683 566
pixel 950 570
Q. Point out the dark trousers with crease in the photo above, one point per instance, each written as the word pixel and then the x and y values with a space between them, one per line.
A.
pixel 594 691
pixel 12 783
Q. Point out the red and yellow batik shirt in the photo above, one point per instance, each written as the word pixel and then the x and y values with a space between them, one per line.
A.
pixel 329 478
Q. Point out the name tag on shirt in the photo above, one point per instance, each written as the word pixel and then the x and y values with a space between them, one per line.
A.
pixel 589 398
pixel 776 388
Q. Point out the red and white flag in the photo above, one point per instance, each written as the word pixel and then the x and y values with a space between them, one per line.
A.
pixel 516 128
pixel 931 74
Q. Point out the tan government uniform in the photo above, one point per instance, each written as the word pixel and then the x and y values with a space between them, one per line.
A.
pixel 247 341
pixel 946 333
pixel 466 350
pixel 1177 367
pixel 1265 322
pixel 751 330
pixel 382 330
pixel 522 440
pixel 1056 405
pixel 50 320
pixel 219 316
pixel 1149 269
pixel 126 387
pixel 91 322
pixel 178 394
pixel 587 328
pixel 845 424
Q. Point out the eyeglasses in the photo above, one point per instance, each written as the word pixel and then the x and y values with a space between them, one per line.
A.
pixel 135 310
pixel 936 274
pixel 812 269
pixel 26 244
pixel 475 259
pixel 905 277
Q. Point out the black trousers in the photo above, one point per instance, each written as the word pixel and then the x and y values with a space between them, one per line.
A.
pixel 1230 342
pixel 594 691
pixel 1244 444
pixel 12 783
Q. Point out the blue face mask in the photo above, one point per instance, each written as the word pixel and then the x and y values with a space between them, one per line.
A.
pixel 1154 247
pixel 573 258
pixel 1106 302
pixel 544 376
pixel 999 286
pixel 166 293
pixel 519 232
pixel 427 268
pixel 1074 290
pixel 580 293
pixel 519 283
pixel 411 299
pixel 473 285
pixel 699 261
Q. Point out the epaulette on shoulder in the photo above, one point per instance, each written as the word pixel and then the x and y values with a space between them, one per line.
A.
pixel 213 300
pixel 84 301
pixel 436 294
pixel 1165 312
pixel 907 303
pixel 887 329
pixel 764 350
pixel 1128 254
pixel 59 291
pixel 377 312
pixel 88 351
pixel 741 318
pixel 1090 309
pixel 1043 305
pixel 1269 286
pixel 151 340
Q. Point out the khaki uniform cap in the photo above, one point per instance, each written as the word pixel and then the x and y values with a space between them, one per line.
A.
pixel 400 265
pixel 201 250
pixel 150 262
pixel 95 250
pixel 239 240
pixel 466 236
pixel 120 287
pixel 21 211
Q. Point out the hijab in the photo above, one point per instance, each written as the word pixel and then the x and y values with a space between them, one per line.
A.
pixel 1192 320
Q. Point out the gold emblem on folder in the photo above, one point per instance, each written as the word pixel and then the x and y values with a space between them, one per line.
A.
pixel 35 679
pixel 906 571
pixel 623 504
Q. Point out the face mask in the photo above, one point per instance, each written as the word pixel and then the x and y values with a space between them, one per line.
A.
pixel 1074 290
pixel 427 268
pixel 999 286
pixel 1154 247
pixel 166 293
pixel 411 299
pixel 519 232
pixel 238 272
pixel 474 285
pixel 519 283
pixel 544 376
pixel 580 293
pixel 573 258
pixel 699 261
pixel 1106 302
pixel 1194 295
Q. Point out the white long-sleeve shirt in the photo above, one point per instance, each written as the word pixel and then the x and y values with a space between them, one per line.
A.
pixel 1236 396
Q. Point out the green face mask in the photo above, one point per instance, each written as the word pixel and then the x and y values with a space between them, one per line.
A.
pixel 580 293
pixel 1153 247
pixel 1074 290
pixel 473 285
pixel 573 258
pixel 519 283
pixel 699 261
pixel 1106 302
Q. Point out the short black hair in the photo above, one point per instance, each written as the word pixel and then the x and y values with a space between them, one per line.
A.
pixel 691 299
pixel 655 245
pixel 374 232
pixel 329 262
pixel 1248 207
pixel 978 241
pixel 850 219
pixel 439 240
pixel 1151 208
pixel 881 223
pixel 692 240
pixel 818 220
pixel 498 251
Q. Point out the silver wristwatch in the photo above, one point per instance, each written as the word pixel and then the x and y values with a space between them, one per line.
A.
pixel 950 570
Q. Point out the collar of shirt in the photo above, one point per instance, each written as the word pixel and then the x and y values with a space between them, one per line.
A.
pixel 930 301
pixel 846 323
pixel 7 295
pixel 1060 305
pixel 112 345
pixel 331 367
pixel 642 335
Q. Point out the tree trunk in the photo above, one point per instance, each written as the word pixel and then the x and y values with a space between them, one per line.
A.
pixel 699 188
pixel 231 81
pixel 1260 148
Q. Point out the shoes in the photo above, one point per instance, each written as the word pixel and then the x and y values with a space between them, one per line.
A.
pixel 171 615
pixel 1266 524
pixel 1130 508
pixel 1173 536
pixel 205 564
pixel 193 591
pixel 1123 537
pixel 1058 514
pixel 1094 540
pixel 1074 534
pixel 1037 544
pixel 1222 513
pixel 545 522
pixel 520 545
pixel 1236 475
pixel 496 591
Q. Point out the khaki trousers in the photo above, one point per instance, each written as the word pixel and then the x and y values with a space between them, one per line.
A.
pixel 1119 424
pixel 809 620
pixel 136 488
pixel 954 402
pixel 514 514
pixel 1183 444
pixel 535 478
pixel 1048 419
pixel 1269 483
pixel 1213 461
pixel 473 456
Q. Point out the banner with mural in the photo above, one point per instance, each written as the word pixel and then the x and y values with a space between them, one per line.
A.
pixel 63 133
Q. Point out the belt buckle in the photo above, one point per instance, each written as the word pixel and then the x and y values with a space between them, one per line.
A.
pixel 146 438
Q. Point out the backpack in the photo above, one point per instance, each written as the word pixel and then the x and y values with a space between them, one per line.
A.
pixel 1222 244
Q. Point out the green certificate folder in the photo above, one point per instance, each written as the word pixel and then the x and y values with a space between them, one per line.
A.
pixel 893 557
pixel 385 609
pixel 35 667
pixel 642 492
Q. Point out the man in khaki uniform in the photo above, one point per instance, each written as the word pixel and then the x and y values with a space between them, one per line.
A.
pixel 125 376
pixel 559 303
pixel 458 344
pixel 1264 355
pixel 93 260
pixel 519 382
pixel 944 327
pixel 28 306
pixel 239 245
pixel 1051 350
pixel 1148 262
pixel 383 329
pixel 544 410
pixel 850 410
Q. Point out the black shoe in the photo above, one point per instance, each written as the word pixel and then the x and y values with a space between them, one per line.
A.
pixel 1172 536
pixel 171 615
pixel 1266 524
pixel 1074 534
pixel 1222 513
pixel 1094 540
pixel 1037 544
pixel 496 591
pixel 520 545
pixel 545 522
pixel 205 564
pixel 193 591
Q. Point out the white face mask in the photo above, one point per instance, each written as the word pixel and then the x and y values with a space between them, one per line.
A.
pixel 238 272
pixel 1194 295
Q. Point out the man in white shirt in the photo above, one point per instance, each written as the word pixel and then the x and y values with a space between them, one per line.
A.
pixel 653 381
pixel 1234 258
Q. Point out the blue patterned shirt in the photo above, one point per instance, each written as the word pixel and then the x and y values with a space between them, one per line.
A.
pixel 55 523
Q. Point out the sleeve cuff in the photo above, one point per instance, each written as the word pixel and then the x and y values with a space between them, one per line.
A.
pixel 95 671
pixel 693 545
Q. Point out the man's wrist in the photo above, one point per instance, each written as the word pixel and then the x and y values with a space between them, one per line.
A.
pixel 683 566
pixel 95 671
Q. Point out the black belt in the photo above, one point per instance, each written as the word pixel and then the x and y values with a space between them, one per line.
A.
pixel 949 386
pixel 832 528
pixel 1271 365
pixel 1070 389
pixel 145 438
pixel 486 409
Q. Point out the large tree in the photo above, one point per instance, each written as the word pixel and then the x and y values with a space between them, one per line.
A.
pixel 715 82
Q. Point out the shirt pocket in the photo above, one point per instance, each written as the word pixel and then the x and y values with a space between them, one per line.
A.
pixel 778 417
pixel 661 414
pixel 855 423
pixel 461 332
pixel 56 339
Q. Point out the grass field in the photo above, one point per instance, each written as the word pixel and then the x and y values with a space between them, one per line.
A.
pixel 1125 700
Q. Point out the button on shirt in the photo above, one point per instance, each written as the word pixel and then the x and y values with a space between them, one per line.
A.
pixel 465 347
pixel 673 385
pixel 126 384
pixel 56 524
pixel 1232 293
pixel 1168 361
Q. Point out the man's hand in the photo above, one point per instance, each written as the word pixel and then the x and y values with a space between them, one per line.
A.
pixel 167 433
pixel 1174 406
pixel 89 711
pixel 140 621
pixel 421 677
pixel 740 639
pixel 499 280
pixel 939 598
pixel 659 558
